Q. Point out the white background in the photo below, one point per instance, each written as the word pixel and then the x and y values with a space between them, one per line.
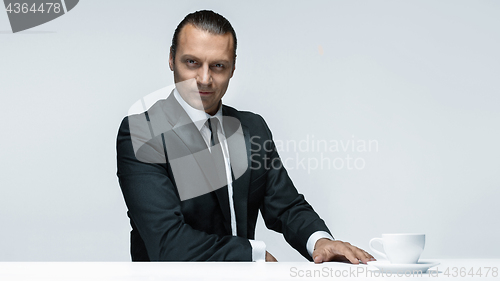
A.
pixel 419 77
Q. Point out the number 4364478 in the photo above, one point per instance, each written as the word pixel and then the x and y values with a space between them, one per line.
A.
pixel 471 272
pixel 41 8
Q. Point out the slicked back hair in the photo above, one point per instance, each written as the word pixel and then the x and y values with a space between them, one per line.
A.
pixel 207 21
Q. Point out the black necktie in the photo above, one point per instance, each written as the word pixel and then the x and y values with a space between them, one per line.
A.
pixel 216 150
pixel 213 127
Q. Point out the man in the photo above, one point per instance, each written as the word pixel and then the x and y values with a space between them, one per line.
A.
pixel 190 193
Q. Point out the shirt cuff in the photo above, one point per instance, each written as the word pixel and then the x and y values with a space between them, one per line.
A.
pixel 258 250
pixel 311 242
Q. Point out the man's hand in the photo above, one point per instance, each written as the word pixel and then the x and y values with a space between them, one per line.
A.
pixel 270 257
pixel 328 250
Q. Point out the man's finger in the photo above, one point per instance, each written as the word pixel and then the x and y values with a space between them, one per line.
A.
pixel 362 255
pixel 270 258
pixel 350 255
pixel 322 255
pixel 318 259
pixel 359 254
pixel 340 251
pixel 370 257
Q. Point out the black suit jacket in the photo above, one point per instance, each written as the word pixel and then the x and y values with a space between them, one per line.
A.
pixel 165 228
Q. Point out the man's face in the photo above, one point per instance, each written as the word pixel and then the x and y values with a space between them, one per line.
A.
pixel 204 63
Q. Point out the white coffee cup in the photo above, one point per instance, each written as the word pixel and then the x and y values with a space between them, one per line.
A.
pixel 401 248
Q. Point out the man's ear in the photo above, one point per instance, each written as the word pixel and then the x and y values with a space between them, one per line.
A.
pixel 171 60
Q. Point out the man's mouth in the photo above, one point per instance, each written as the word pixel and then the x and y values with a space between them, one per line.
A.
pixel 204 93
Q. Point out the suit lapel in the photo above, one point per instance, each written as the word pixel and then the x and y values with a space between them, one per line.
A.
pixel 241 184
pixel 187 132
pixel 185 129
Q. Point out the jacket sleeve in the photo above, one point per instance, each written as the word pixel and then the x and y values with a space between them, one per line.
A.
pixel 285 210
pixel 154 207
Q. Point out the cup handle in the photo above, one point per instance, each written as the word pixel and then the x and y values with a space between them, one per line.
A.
pixel 373 249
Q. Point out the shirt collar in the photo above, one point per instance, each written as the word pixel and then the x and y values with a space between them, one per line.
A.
pixel 199 117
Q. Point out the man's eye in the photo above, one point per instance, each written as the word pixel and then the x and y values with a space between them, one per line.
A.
pixel 191 61
pixel 219 65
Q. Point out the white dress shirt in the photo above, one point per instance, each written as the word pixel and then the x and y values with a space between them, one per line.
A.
pixel 199 119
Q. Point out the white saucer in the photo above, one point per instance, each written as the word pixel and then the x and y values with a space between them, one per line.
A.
pixel 388 267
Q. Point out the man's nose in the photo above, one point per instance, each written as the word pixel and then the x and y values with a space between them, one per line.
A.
pixel 204 76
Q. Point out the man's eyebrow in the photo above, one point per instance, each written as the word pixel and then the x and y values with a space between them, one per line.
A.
pixel 222 61
pixel 188 56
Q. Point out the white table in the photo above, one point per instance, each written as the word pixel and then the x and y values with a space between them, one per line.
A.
pixel 55 271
